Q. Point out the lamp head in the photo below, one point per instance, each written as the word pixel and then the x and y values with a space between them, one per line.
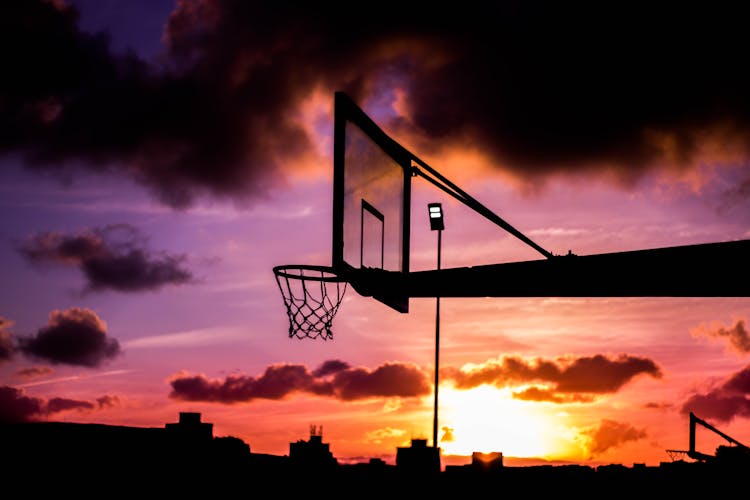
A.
pixel 435 211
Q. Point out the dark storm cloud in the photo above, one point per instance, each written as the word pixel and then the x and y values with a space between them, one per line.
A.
pixel 16 406
pixel 726 401
pixel 596 374
pixel 181 130
pixel 563 87
pixel 74 336
pixel 279 381
pixel 113 257
pixel 610 434
pixel 7 347
pixel 540 87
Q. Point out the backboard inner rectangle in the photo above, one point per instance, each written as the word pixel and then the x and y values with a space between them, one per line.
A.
pixel 372 237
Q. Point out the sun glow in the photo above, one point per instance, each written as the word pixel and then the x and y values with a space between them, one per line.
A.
pixel 487 419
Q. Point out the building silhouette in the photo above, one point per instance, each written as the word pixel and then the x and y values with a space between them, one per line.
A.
pixel 185 457
pixel 418 459
pixel 312 454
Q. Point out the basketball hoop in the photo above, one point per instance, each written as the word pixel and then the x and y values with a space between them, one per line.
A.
pixel 312 295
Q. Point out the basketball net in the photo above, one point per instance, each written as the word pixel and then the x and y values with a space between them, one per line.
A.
pixel 312 296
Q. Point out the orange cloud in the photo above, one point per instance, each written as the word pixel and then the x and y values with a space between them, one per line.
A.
pixel 380 435
pixel 546 395
pixel 447 436
pixel 737 335
pixel 609 434
pixel 586 374
pixel 658 406
pixel 34 372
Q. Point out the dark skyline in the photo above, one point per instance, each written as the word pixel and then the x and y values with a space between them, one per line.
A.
pixel 160 457
pixel 159 158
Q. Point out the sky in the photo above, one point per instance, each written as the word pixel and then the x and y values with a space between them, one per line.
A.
pixel 159 158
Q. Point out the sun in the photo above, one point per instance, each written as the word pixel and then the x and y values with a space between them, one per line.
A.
pixel 487 419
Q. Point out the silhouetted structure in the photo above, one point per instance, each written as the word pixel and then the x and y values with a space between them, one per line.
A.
pixel 492 461
pixel 190 428
pixel 313 454
pixel 418 459
pixel 733 455
pixel 189 436
pixel 77 456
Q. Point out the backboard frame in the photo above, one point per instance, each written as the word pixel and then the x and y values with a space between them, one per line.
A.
pixel 379 283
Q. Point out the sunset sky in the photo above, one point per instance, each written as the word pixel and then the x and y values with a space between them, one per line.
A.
pixel 158 158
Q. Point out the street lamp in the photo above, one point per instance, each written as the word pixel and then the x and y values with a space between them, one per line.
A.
pixel 435 211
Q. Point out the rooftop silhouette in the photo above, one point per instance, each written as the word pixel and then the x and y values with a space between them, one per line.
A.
pixel 186 455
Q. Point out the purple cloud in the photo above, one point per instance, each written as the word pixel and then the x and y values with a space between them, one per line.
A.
pixel 724 402
pixel 113 257
pixel 74 336
pixel 333 378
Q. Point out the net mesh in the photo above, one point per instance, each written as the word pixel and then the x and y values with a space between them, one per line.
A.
pixel 312 296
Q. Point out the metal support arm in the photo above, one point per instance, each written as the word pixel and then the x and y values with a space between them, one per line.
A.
pixel 437 179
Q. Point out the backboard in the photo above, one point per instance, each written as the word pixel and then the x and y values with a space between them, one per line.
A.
pixel 371 206
pixel 372 198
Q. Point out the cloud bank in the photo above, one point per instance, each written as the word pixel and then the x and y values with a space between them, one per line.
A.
pixel 566 379
pixel 538 88
pixel 16 406
pixel 571 380
pixel 334 378
pixel 113 257
pixel 609 434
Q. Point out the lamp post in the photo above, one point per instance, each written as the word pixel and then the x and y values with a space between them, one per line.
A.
pixel 436 224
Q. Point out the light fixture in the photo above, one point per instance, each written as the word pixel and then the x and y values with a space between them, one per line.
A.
pixel 436 216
